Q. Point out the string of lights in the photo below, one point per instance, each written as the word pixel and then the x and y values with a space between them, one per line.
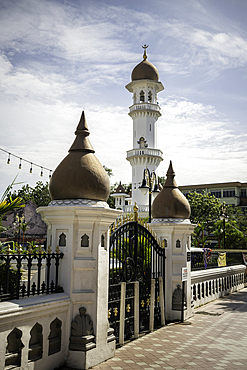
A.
pixel 32 164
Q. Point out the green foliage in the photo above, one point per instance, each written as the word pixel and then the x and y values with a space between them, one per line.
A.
pixel 234 238
pixel 7 203
pixel 200 236
pixel 111 201
pixel 205 208
pixel 161 180
pixel 205 212
pixel 13 277
pixel 108 170
pixel 38 195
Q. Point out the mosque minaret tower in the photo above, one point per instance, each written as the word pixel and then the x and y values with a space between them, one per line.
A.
pixel 144 111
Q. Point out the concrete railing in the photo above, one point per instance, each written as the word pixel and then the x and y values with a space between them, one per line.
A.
pixel 144 151
pixel 145 106
pixel 34 332
pixel 208 285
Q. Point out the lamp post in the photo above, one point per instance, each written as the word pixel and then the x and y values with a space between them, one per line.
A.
pixel 149 184
pixel 224 217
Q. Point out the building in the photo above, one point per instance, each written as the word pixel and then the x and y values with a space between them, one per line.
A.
pixel 232 193
pixel 144 111
pixel 121 197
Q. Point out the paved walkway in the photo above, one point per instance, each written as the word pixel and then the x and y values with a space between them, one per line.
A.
pixel 216 339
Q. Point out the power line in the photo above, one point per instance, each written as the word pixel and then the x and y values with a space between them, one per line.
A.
pixel 32 164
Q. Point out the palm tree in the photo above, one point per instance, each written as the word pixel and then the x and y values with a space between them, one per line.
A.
pixel 8 205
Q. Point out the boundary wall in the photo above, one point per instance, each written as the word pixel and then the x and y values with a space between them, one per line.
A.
pixel 35 350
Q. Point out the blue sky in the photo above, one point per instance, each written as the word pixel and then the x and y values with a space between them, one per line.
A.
pixel 58 58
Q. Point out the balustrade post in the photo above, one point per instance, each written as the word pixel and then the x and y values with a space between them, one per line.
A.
pixel 162 301
pixel 136 309
pixel 122 313
pixel 152 302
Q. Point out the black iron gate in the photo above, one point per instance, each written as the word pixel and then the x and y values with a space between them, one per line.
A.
pixel 136 262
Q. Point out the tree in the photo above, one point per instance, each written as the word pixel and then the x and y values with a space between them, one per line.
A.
pixel 108 170
pixel 205 212
pixel 161 180
pixel 8 204
pixel 38 195
pixel 205 208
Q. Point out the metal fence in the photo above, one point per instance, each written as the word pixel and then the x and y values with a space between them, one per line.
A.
pixel 28 274
pixel 207 259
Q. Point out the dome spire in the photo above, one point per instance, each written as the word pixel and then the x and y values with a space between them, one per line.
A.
pixel 170 180
pixel 82 142
pixel 145 52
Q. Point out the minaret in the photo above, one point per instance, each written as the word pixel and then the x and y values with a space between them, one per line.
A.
pixel 144 112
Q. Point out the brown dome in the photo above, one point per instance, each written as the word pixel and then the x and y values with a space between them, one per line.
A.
pixel 170 202
pixel 80 175
pixel 145 71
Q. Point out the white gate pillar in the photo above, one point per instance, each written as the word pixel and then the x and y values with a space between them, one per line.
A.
pixel 79 219
pixel 176 236
pixel 171 212
pixel 84 272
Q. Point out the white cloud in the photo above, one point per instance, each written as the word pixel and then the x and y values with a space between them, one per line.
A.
pixel 203 143
pixel 58 58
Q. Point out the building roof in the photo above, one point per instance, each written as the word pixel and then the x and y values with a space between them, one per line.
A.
pixel 120 189
pixel 214 185
pixel 145 71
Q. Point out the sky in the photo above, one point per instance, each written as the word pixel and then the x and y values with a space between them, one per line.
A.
pixel 58 58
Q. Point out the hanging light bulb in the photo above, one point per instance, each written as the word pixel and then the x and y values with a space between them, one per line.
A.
pixel 31 168
pixel 50 174
pixel 8 161
pixel 20 164
pixel 41 173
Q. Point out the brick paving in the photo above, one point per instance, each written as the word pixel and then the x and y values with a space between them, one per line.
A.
pixel 214 338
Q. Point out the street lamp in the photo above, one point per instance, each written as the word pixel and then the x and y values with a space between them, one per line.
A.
pixel 224 217
pixel 149 184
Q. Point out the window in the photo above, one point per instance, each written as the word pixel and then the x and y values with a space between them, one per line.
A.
pixel 178 243
pixel 62 240
pixel 149 97
pixel 227 193
pixel 102 241
pixel 216 193
pixel 142 97
pixel 35 343
pixel 13 350
pixel 55 337
pixel 85 241
pixel 243 193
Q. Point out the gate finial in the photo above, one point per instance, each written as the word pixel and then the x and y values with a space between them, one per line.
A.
pixel 135 209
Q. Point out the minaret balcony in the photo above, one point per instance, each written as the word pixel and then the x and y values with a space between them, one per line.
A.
pixel 145 107
pixel 144 152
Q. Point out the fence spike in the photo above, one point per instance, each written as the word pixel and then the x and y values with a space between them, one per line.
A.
pixel 57 249
pixel 8 251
